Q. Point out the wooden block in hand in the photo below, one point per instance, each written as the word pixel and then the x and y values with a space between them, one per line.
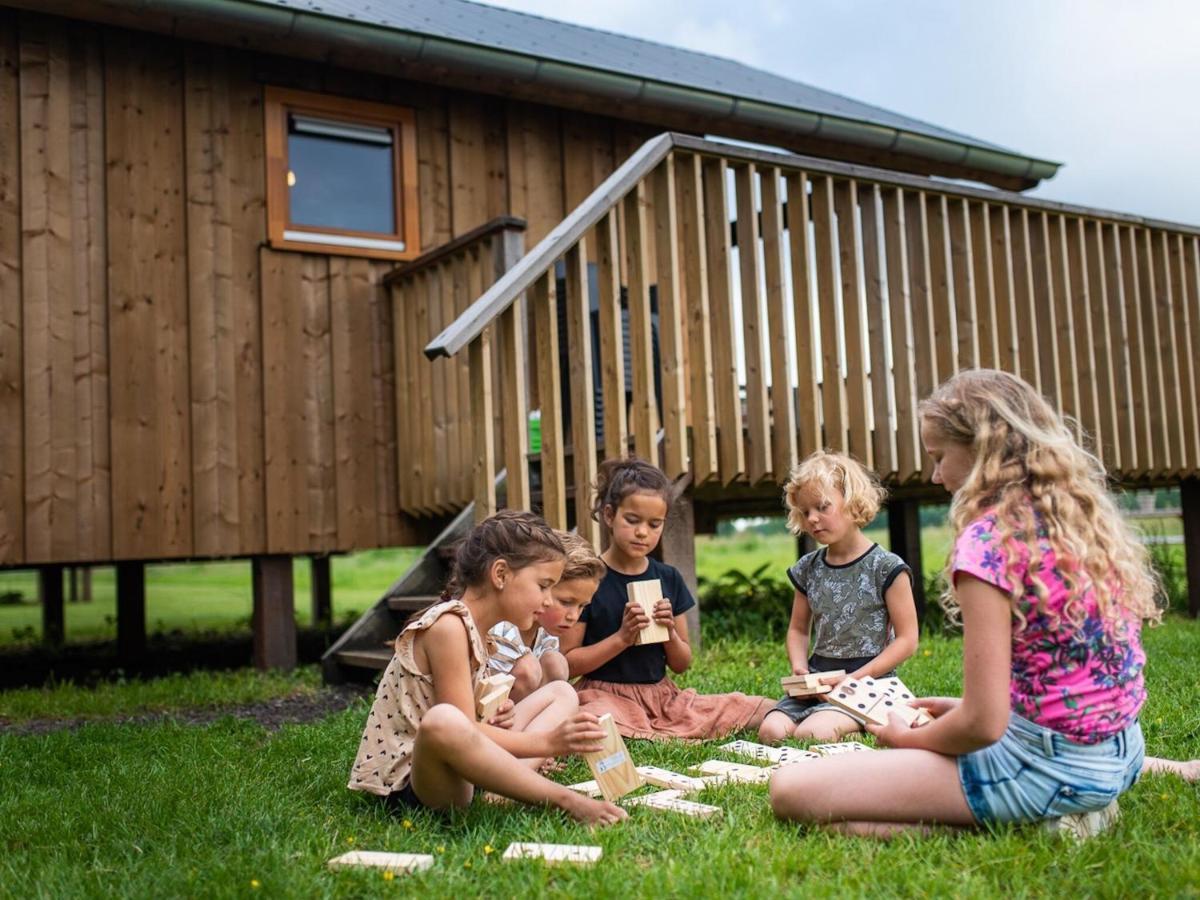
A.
pixel 664 778
pixel 490 693
pixel 555 853
pixel 672 802
pixel 646 594
pixel 375 859
pixel 734 773
pixel 866 698
pixel 612 767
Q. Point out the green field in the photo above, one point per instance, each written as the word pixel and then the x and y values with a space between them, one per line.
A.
pixel 229 809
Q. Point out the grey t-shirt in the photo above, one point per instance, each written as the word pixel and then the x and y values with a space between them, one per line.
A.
pixel 849 614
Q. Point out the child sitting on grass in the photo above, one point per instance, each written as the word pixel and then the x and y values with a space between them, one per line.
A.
pixel 1052 587
pixel 622 677
pixel 531 656
pixel 853 597
pixel 422 746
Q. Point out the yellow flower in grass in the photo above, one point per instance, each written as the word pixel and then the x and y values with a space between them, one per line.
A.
pixel 255 883
pixel 441 848
pixel 407 823
pixel 388 874
pixel 488 849
pixel 350 839
pixel 467 864
pixel 928 653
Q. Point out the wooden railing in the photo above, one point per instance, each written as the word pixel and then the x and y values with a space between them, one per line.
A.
pixel 828 334
pixel 435 400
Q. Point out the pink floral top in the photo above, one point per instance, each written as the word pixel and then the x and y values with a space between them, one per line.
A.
pixel 1085 682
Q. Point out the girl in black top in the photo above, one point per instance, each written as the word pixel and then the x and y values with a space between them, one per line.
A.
pixel 622 677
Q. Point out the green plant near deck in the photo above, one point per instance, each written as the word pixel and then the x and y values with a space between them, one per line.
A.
pixel 232 810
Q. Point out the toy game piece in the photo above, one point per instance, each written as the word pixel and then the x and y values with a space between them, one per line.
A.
pixel 590 788
pixel 555 853
pixel 808 685
pixel 861 696
pixel 672 802
pixel 646 594
pixel 735 773
pixel 664 778
pixel 376 859
pixel 614 770
pixel 761 752
pixel 490 693
pixel 791 755
pixel 835 749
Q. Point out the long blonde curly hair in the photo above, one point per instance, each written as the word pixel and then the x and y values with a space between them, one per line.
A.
pixel 1031 472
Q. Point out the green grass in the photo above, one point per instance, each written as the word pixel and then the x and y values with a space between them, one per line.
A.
pixel 200 596
pixel 231 810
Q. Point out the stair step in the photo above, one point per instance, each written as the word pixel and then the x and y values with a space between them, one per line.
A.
pixel 411 603
pixel 365 657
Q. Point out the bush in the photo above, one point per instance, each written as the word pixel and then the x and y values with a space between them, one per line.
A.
pixel 756 606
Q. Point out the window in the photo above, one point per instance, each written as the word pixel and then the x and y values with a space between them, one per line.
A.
pixel 341 176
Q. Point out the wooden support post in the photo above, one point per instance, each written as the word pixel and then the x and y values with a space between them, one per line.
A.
pixel 678 549
pixel 904 533
pixel 274 613
pixel 1189 496
pixel 50 588
pixel 322 591
pixel 131 610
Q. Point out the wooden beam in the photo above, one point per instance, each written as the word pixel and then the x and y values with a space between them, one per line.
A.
pixel 50 588
pixel 131 610
pixel 678 549
pixel 274 619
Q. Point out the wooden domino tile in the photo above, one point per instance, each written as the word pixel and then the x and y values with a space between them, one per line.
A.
pixel 590 788
pixel 761 752
pixel 672 802
pixel 490 693
pixel 734 773
pixel 862 696
pixel 808 685
pixel 791 755
pixel 665 778
pixel 842 747
pixel 555 853
pixel 376 859
pixel 646 594
pixel 613 768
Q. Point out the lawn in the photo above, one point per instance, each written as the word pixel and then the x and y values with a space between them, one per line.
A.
pixel 229 809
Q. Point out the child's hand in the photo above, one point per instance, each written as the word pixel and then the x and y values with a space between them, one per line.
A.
pixel 579 734
pixel 936 706
pixel 664 616
pixel 832 680
pixel 634 621
pixel 504 715
pixel 892 734
pixel 800 669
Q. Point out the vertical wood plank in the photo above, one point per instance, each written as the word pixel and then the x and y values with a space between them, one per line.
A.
pixel 438 448
pixel 808 398
pixel 510 341
pixel 985 285
pixel 754 341
pixel 12 437
pixel 880 395
pixel 644 415
pixel 612 353
pixel 1124 244
pixel 1185 351
pixel 583 394
pixel 460 458
pixel 1191 263
pixel 426 298
pixel 963 267
pixel 671 342
pixel 479 353
pixel 904 354
pixel 833 403
pixel 701 403
pixel 1118 443
pixel 147 296
pixel 1106 358
pixel 1151 333
pixel 391 531
pixel 730 450
pixel 941 285
pixel 1028 361
pixel 855 359
pixel 1165 307
pixel 1044 302
pixel 916 233
pixel 1065 331
pixel 1085 354
pixel 406 392
pixel 545 323
pixel 783 418
pixel 1000 225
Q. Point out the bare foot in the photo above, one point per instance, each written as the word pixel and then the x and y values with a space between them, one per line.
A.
pixel 1188 770
pixel 591 812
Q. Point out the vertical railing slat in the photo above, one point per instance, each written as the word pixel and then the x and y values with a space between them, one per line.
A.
pixel 644 416
pixel 754 342
pixel 510 342
pixel 1123 242
pixel 941 285
pixel 908 434
pixel 1191 267
pixel 583 394
pixel 1064 316
pixel 544 298
pixel 1118 453
pixel 670 321
pixel 612 351
pixel 881 399
pixel 731 452
pixel 1148 289
pixel 985 285
pixel 1029 360
pixel 1184 351
pixel 833 401
pixel 1104 347
pixel 966 315
pixel 483 468
pixel 425 423
pixel 1081 313
pixel 783 419
pixel 1006 301
pixel 1046 306
pixel 1165 306
pixel 808 401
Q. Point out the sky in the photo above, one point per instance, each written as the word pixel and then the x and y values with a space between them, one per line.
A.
pixel 1107 87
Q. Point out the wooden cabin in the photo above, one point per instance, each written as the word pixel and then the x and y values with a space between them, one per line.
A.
pixel 280 278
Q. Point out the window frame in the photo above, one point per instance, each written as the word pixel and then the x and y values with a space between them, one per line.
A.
pixel 400 120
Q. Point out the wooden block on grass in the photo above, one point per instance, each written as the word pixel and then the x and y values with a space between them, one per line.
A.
pixel 612 766
pixel 590 788
pixel 665 778
pixel 376 859
pixel 646 594
pixel 671 801
pixel 761 752
pixel 842 747
pixel 791 755
pixel 554 854
pixel 735 773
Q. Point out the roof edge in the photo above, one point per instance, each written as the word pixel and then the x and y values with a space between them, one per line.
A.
pixel 348 37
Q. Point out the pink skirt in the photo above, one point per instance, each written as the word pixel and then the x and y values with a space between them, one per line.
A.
pixel 662 710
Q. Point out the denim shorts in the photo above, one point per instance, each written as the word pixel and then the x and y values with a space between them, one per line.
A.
pixel 1035 773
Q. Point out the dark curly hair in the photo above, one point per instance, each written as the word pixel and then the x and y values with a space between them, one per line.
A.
pixel 519 538
pixel 618 478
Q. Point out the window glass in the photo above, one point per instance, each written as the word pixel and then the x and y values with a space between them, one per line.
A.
pixel 340 175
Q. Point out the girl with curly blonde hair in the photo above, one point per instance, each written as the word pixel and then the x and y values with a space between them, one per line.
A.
pixel 1051 588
